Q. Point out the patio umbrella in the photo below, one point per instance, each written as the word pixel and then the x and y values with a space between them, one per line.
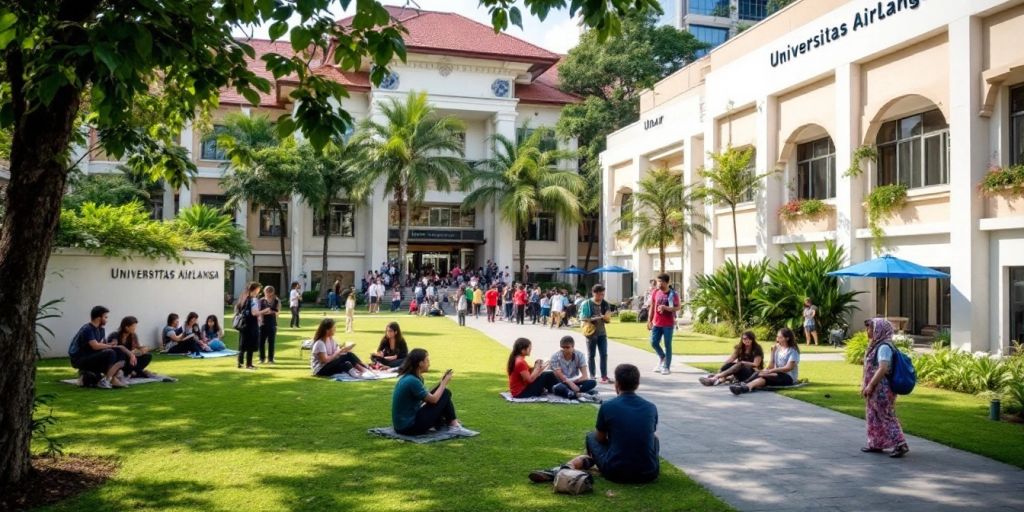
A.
pixel 886 267
pixel 573 271
pixel 610 269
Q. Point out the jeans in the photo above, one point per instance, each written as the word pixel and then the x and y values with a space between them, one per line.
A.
pixel 608 466
pixel 544 382
pixel 99 361
pixel 395 304
pixel 657 333
pixel 508 311
pixel 462 317
pixel 598 344
pixel 268 335
pixel 295 317
pixel 520 313
pixel 334 367
pixel 432 415
pixel 141 362
pixel 561 389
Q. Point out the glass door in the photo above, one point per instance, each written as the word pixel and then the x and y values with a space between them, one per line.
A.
pixel 1016 304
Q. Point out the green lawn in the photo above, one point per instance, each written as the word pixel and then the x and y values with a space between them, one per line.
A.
pixel 954 419
pixel 279 439
pixel 686 342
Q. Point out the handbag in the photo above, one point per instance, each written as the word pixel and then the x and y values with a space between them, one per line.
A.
pixel 589 328
pixel 573 481
pixel 239 321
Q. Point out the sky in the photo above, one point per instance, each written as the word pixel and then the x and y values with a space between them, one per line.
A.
pixel 558 33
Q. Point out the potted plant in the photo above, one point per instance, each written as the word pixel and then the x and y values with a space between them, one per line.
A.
pixel 805 211
pixel 1004 188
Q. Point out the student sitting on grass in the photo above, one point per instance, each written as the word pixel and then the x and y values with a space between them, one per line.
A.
pixel 137 357
pixel 570 369
pixel 625 445
pixel 414 306
pixel 783 367
pixel 177 340
pixel 414 411
pixel 193 328
pixel 523 381
pixel 327 359
pixel 392 350
pixel 213 335
pixel 747 359
pixel 90 352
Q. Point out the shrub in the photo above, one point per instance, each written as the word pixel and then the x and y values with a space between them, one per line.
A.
pixel 311 296
pixel 856 348
pixel 1003 178
pixel 714 295
pixel 119 231
pixel 764 334
pixel 943 339
pixel 797 208
pixel 883 201
pixel 207 228
pixel 628 316
pixel 1015 386
pixel 721 330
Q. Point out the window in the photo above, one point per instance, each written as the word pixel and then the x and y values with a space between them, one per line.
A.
pixel 156 207
pixel 753 10
pixel 589 230
pixel 625 208
pixel 210 149
pixel 216 201
pixel 749 195
pixel 816 169
pixel 272 222
pixel 542 228
pixel 547 143
pixel 713 36
pixel 718 8
pixel 1017 125
pixel 341 222
pixel 435 216
pixel 1017 304
pixel 914 151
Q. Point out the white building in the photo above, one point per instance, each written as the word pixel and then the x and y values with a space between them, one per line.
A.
pixel 494 83
pixel 934 86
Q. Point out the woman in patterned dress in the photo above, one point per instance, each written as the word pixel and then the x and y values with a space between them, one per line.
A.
pixel 884 430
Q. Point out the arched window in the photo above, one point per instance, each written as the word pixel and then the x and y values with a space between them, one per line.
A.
pixel 914 150
pixel 816 169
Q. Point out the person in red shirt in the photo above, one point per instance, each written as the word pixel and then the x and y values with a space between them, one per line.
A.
pixel 662 322
pixel 519 299
pixel 491 301
pixel 523 381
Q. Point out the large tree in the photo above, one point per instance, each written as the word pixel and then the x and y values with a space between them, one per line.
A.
pixel 525 180
pixel 104 61
pixel 609 76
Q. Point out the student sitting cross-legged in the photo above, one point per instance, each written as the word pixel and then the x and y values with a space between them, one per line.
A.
pixel 327 358
pixel 137 357
pixel 523 381
pixel 392 349
pixel 414 411
pixel 747 359
pixel 570 369
pixel 624 446
pixel 783 367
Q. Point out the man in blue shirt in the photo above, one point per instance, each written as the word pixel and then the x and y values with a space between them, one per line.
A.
pixel 624 445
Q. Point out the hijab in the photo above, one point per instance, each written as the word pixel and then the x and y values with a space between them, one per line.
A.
pixel 881 331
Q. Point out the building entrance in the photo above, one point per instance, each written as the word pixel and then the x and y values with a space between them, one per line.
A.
pixel 439 259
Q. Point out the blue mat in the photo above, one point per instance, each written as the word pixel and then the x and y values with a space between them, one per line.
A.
pixel 213 355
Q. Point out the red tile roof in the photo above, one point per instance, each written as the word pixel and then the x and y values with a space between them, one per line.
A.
pixel 230 95
pixel 545 89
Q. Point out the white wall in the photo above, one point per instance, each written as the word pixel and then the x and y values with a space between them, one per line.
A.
pixel 84 280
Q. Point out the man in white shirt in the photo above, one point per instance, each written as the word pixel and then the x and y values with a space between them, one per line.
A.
pixel 557 308
pixel 294 301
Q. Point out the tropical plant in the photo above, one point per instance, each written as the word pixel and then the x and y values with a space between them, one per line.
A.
pixel 883 201
pixel 1015 386
pixel 525 181
pixel 323 178
pixel 859 155
pixel 730 182
pixel 412 150
pixel 943 338
pixel 119 231
pixel 628 316
pixel 856 348
pixel 802 275
pixel 207 228
pixel 999 179
pixel 714 295
pixel 240 136
pixel 803 208
pixel 662 214
pixel 122 187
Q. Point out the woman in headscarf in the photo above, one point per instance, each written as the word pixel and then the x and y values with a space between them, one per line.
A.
pixel 884 429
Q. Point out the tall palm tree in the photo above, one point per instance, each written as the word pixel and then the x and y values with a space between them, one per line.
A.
pixel 525 181
pixel 732 181
pixel 662 213
pixel 325 177
pixel 413 150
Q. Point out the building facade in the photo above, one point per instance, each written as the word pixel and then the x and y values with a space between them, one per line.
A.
pixel 714 21
pixel 934 87
pixel 495 84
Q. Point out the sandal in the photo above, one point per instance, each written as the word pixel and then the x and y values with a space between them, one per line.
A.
pixel 899 451
pixel 866 449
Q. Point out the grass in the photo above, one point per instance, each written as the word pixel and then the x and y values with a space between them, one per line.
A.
pixel 953 419
pixel 686 342
pixel 279 439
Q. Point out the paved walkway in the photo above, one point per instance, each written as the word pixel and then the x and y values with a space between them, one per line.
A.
pixel 764 451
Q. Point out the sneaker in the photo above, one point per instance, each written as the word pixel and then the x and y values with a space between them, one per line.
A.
pixel 540 476
pixel 463 431
pixel 117 383
pixel 585 398
pixel 104 383
pixel 606 380
pixel 250 367
pixel 739 389
pixel 708 381
pixel 355 374
pixel 666 371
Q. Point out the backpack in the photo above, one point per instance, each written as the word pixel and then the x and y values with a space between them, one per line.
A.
pixel 902 377
pixel 573 481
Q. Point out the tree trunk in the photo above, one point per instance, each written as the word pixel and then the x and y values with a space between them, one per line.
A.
pixel 325 224
pixel 284 257
pixel 522 255
pixel 590 248
pixel 736 261
pixel 33 198
pixel 661 256
pixel 403 229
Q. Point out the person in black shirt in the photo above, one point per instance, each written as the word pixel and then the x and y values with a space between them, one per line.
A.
pixel 392 349
pixel 747 359
pixel 139 356
pixel 270 305
pixel 625 445
pixel 90 352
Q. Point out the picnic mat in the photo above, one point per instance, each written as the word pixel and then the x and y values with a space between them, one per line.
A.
pixel 212 355
pixel 547 398
pixel 433 436
pixel 132 382
pixel 344 377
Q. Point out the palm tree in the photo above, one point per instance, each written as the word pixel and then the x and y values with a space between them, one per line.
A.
pixel 323 178
pixel 730 182
pixel 214 229
pixel 413 150
pixel 662 213
pixel 525 181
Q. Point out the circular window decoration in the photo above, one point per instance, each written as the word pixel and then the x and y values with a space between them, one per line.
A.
pixel 390 82
pixel 501 88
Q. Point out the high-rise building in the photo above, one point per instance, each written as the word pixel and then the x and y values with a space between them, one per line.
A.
pixel 713 21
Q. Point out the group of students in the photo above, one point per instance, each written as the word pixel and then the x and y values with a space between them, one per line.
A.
pixel 256 315
pixel 327 358
pixel 192 338
pixel 115 359
pixel 745 372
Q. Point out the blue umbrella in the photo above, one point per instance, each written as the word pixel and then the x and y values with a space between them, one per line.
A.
pixel 889 266
pixel 610 269
pixel 573 271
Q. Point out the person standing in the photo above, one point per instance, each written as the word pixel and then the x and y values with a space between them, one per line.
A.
pixel 491 300
pixel 662 322
pixel 461 306
pixel 270 307
pixel 336 303
pixel 883 427
pixel 248 306
pixel 596 313
pixel 557 309
pixel 507 302
pixel 810 322
pixel 535 304
pixel 350 311
pixel 478 300
pixel 294 303
pixel 519 301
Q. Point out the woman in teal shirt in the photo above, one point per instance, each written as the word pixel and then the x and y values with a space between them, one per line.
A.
pixel 414 411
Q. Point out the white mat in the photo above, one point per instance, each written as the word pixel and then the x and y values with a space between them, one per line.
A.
pixel 546 398
pixel 344 377
pixel 212 355
pixel 133 382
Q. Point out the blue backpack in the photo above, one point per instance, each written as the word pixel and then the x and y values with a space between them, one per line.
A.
pixel 902 376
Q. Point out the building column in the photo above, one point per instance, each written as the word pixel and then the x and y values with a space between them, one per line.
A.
pixel 769 198
pixel 967 165
pixel 613 288
pixel 712 143
pixel 378 215
pixel 296 221
pixel 242 268
pixel 693 160
pixel 185 192
pixel 643 262
pixel 502 240
pixel 169 211
pixel 850 189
